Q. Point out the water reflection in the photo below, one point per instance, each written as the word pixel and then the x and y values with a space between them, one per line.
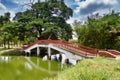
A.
pixel 4 58
pixel 28 68
pixel 38 61
pixel 45 66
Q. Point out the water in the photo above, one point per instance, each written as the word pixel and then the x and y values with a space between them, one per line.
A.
pixel 27 68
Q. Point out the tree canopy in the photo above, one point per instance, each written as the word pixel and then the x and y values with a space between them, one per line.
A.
pixel 43 20
pixel 51 13
pixel 96 32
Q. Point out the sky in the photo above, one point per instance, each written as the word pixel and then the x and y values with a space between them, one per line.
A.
pixel 81 8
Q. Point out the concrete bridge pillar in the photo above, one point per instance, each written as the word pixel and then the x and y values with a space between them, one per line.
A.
pixel 29 53
pixel 49 52
pixel 38 51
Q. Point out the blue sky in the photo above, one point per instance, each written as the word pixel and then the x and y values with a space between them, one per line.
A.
pixel 81 8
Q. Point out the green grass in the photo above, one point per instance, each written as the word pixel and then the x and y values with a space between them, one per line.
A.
pixel 92 69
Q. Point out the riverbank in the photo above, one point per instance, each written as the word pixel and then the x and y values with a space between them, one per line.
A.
pixel 10 52
pixel 92 69
pixel 4 50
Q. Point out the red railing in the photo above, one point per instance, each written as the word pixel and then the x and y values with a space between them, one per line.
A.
pixel 103 54
pixel 114 52
pixel 77 50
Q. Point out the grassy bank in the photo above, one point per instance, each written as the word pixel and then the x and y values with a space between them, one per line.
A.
pixel 10 52
pixel 96 69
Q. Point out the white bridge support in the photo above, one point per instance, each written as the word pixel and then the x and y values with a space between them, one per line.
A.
pixel 49 52
pixel 38 51
pixel 68 54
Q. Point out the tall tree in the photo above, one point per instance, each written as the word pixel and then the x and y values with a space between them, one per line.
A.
pixel 5 19
pixel 54 12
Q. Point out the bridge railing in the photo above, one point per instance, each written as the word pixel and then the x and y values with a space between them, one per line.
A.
pixel 77 50
pixel 88 49
pixel 114 52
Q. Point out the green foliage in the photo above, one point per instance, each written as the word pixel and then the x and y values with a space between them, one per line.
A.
pixel 5 30
pixel 92 69
pixel 44 20
pixel 14 32
pixel 47 15
pixel 97 32
pixel 50 8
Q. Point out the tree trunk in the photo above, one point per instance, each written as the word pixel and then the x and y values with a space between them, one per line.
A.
pixel 4 44
pixel 8 43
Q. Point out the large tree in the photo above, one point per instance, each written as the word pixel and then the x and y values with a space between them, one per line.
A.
pixel 52 12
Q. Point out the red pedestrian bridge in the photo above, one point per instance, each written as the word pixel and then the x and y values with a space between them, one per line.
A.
pixel 71 50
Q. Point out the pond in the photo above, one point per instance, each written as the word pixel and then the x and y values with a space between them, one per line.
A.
pixel 27 68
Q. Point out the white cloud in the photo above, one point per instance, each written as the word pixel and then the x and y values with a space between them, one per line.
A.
pixel 25 4
pixel 2 9
pixel 72 20
pixel 2 6
pixel 26 1
pixel 12 15
pixel 88 7
pixel 110 2
pixel 22 1
pixel 91 3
